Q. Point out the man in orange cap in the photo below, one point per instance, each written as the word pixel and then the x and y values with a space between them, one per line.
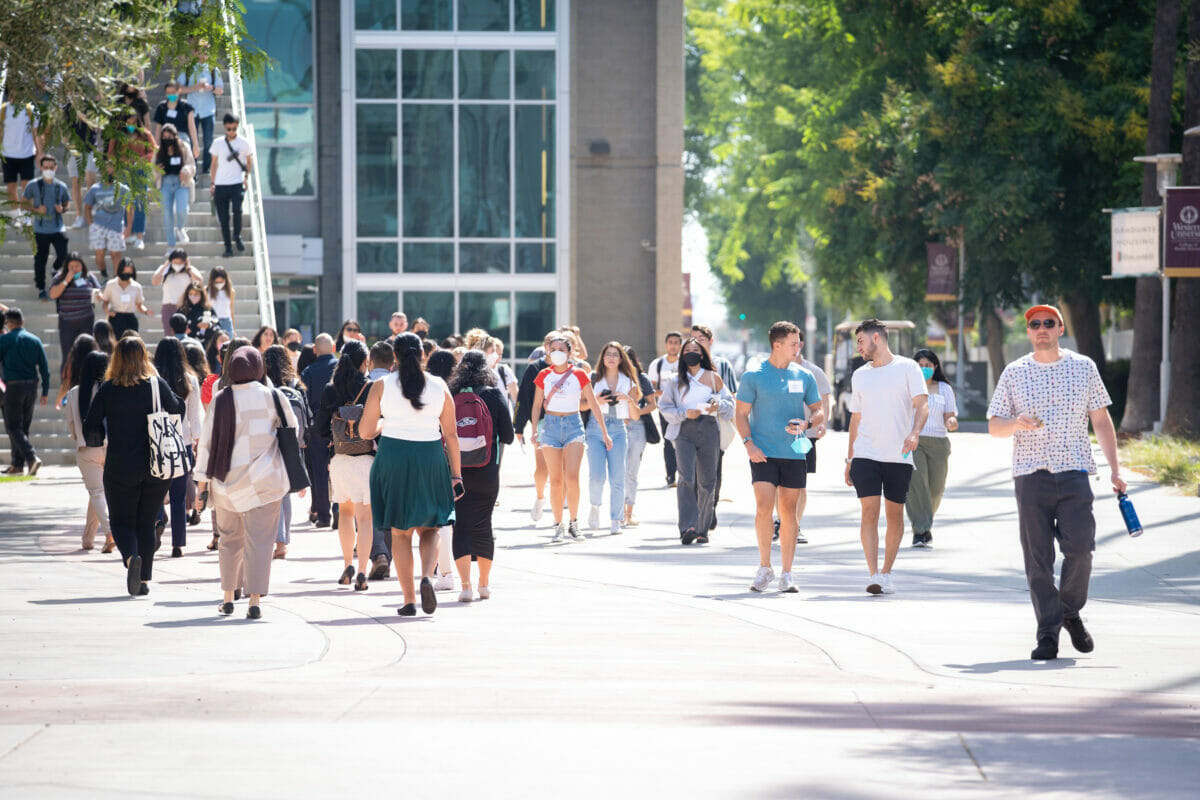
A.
pixel 1044 400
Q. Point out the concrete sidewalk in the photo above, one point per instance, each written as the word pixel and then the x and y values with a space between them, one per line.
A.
pixel 623 664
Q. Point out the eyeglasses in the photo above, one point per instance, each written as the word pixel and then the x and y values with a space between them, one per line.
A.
pixel 1048 324
pixel 353 330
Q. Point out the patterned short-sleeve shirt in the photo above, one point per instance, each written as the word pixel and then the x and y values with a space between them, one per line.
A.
pixel 1060 394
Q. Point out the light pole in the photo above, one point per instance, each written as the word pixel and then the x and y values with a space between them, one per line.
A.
pixel 1166 165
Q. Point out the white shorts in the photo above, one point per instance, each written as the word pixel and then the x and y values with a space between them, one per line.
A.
pixel 106 239
pixel 73 165
pixel 350 479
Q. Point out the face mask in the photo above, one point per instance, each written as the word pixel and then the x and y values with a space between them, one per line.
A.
pixel 193 299
pixel 295 347
pixel 177 267
pixel 171 98
pixel 558 357
pixel 48 174
pixel 218 284
pixel 493 359
pixel 131 128
pixel 168 142
pixel 927 372
pixel 691 359
pixel 128 276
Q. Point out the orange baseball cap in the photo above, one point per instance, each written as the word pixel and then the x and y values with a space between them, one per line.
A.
pixel 1035 309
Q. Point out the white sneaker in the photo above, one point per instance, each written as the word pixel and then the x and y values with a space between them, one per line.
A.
pixel 887 586
pixel 786 584
pixel 762 579
pixel 875 585
pixel 182 235
pixel 535 513
pixel 444 583
pixel 139 243
pixel 465 596
pixel 615 527
pixel 557 536
pixel 484 593
pixel 79 223
pixel 594 518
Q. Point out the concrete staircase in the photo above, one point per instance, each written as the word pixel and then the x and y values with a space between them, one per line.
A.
pixel 49 430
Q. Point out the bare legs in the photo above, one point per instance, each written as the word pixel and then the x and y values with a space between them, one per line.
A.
pixel 563 465
pixel 869 532
pixel 402 557
pixel 464 571
pixel 764 524
pixel 351 515
pixel 540 471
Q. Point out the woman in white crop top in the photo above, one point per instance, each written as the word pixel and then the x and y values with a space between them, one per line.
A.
pixel 560 391
pixel 416 475
pixel 931 459
pixel 615 384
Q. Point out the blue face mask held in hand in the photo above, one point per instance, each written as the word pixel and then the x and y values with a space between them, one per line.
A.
pixel 801 445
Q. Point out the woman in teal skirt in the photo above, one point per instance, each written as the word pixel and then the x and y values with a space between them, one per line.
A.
pixel 416 476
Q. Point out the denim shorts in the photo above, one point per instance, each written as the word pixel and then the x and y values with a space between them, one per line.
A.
pixel 558 432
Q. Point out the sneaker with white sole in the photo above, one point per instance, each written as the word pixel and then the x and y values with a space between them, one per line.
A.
pixel 444 583
pixel 786 584
pixel 557 536
pixel 484 593
pixel 139 243
pixel 762 579
pixel 535 513
pixel 887 587
pixel 615 527
pixel 182 235
pixel 573 531
pixel 875 585
pixel 466 596
pixel 79 223
pixel 594 518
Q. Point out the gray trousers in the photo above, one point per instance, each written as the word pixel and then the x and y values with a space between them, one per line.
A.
pixel 697 449
pixel 1050 506
pixel 90 461
pixel 247 546
pixel 931 461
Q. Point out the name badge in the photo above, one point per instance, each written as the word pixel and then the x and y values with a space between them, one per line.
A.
pixel 81 282
pixel 171 112
pixel 795 387
pixel 126 299
pixel 176 160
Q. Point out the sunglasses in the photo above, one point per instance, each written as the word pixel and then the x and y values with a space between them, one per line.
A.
pixel 353 330
pixel 1048 324
pixel 231 127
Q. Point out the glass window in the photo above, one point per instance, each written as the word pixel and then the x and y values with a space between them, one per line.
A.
pixel 483 170
pixel 302 315
pixel 491 311
pixel 283 29
pixel 279 125
pixel 483 15
pixel 375 73
pixel 534 172
pixel 374 311
pixel 536 257
pixel 375 15
pixel 492 258
pixel 377 180
pixel 427 74
pixel 483 74
pixel 425 15
pixel 436 307
pixel 534 74
pixel 535 315
pixel 377 257
pixel 290 171
pixel 428 170
pixel 534 15
pixel 428 257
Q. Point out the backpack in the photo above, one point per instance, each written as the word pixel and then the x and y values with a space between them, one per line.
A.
pixel 344 426
pixel 304 416
pixel 474 423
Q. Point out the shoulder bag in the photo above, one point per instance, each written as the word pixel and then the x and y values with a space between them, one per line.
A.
pixel 289 448
pixel 346 440
pixel 168 454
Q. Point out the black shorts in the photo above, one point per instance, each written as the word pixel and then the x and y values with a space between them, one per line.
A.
pixel 873 478
pixel 18 168
pixel 789 473
pixel 811 458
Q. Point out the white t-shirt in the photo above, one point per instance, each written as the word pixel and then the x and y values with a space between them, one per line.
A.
pixel 174 284
pixel 624 386
pixel 941 403
pixel 402 421
pixel 123 299
pixel 1060 394
pixel 228 171
pixel 221 304
pixel 663 371
pixel 18 133
pixel 567 396
pixel 883 396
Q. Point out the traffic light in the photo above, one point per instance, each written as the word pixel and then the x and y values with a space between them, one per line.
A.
pixel 742 317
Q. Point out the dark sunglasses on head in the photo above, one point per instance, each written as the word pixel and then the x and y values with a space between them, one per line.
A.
pixel 1048 324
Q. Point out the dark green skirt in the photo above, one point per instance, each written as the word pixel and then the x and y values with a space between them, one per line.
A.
pixel 410 485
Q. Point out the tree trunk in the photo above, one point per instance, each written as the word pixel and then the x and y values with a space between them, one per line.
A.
pixel 1142 397
pixel 995 340
pixel 1183 402
pixel 1083 322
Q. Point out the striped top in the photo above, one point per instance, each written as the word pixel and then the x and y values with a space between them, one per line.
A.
pixel 75 303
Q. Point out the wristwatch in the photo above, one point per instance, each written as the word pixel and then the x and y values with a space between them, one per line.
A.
pixel 745 439
pixel 848 460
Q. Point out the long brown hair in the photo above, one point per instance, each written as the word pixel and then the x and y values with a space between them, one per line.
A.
pixel 705 363
pixel 625 368
pixel 220 272
pixel 130 363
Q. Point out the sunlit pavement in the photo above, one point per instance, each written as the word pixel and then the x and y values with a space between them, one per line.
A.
pixel 620 665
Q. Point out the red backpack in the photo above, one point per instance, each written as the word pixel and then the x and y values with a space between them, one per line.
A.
pixel 474 423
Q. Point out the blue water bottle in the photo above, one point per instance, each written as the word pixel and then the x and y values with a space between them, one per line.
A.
pixel 1131 518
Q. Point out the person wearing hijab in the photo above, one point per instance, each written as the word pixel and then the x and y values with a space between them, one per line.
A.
pixel 248 482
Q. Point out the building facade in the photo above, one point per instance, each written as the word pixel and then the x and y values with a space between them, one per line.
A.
pixel 508 164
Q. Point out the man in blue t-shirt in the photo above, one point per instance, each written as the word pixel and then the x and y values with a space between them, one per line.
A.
pixel 48 198
pixel 770 418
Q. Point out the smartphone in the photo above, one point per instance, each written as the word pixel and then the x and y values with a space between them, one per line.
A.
pixel 459 491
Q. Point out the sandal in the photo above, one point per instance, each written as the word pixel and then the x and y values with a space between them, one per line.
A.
pixel 108 546
pixel 213 544
pixel 280 551
pixel 347 576
pixel 360 583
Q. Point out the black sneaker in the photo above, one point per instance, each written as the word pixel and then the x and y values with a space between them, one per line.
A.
pixel 800 537
pixel 254 612
pixel 1046 650
pixel 688 536
pixel 775 536
pixel 43 296
pixel 380 568
pixel 918 540
pixel 133 575
pixel 1081 640
pixel 241 248
pixel 228 253
pixel 159 527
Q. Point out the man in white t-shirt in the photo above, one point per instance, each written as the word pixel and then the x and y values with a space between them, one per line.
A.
pixel 888 406
pixel 1045 401
pixel 662 370
pixel 232 161
pixel 19 148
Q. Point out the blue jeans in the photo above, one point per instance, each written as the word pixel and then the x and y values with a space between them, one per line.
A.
pixel 226 324
pixel 139 218
pixel 175 199
pixel 633 459
pixel 602 460
pixel 283 535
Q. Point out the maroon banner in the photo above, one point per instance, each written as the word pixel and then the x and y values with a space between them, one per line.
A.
pixel 687 301
pixel 1182 229
pixel 941 283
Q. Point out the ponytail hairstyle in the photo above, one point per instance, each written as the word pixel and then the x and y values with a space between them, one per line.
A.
pixel 91 375
pixel 354 354
pixel 409 374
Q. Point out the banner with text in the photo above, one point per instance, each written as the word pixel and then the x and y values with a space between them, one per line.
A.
pixel 1135 251
pixel 941 283
pixel 1182 231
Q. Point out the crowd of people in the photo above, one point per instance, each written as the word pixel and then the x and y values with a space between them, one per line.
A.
pixel 404 439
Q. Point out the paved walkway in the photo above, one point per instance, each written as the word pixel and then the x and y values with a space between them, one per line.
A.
pixel 624 664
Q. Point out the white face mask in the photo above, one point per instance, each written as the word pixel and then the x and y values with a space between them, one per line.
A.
pixel 177 267
pixel 48 174
pixel 194 299
pixel 218 284
pixel 493 359
pixel 558 357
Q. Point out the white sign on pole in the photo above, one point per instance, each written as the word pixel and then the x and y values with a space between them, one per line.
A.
pixel 1135 242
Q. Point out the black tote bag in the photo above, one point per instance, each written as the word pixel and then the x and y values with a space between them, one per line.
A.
pixel 289 448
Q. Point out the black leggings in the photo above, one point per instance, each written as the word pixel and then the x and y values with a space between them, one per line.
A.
pixel 133 507
pixel 473 513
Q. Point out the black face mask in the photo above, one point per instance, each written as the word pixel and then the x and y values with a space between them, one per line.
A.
pixel 691 359
pixel 295 347
pixel 127 277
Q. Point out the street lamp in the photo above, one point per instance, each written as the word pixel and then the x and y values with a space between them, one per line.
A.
pixel 1166 167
